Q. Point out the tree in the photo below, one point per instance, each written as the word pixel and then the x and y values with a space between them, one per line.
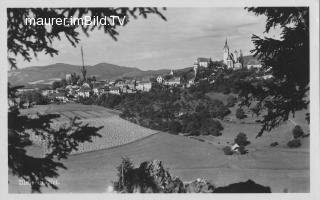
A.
pixel 24 40
pixel 33 96
pixel 240 113
pixel 61 142
pixel 287 60
pixel 174 127
pixel 56 84
pixel 297 132
pixel 241 139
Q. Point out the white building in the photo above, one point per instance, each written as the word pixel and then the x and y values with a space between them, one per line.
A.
pixel 144 86
pixel 160 79
pixel 115 90
pixel 84 91
pixel 173 82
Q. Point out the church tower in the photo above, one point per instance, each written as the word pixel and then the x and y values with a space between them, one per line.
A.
pixel 195 67
pixel 225 52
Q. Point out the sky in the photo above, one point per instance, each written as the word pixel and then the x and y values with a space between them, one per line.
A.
pixel 153 43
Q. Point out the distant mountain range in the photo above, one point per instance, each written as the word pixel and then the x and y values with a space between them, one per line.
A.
pixel 46 75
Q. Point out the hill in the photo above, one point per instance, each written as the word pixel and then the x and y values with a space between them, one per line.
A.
pixel 46 75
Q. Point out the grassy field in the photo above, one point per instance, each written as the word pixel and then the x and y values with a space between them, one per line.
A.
pixel 115 131
pixel 281 168
pixel 188 159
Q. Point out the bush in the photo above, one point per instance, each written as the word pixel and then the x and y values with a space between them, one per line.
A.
pixel 295 143
pixel 227 150
pixel 241 139
pixel 240 113
pixel 273 144
pixel 297 132
pixel 174 127
pixel 242 150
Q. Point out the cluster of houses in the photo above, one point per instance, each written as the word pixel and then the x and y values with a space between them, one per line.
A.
pixel 73 92
pixel 174 81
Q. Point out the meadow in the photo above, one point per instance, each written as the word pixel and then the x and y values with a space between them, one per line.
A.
pixel 115 131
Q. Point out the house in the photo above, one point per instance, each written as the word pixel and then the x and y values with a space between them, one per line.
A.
pixel 84 91
pixel 47 92
pixel 61 90
pixel 58 97
pixel 144 86
pixel 95 91
pixel 175 81
pixel 203 62
pixel 120 84
pixel 252 62
pixel 160 79
pixel 85 84
pixel 22 90
pixel 98 87
pixel 68 77
pixel 190 82
pixel 128 90
pixel 102 90
pixel 115 90
pixel 235 147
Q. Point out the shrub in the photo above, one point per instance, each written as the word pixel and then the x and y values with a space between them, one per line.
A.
pixel 241 139
pixel 297 132
pixel 242 150
pixel 240 113
pixel 227 150
pixel 175 127
pixel 295 143
pixel 273 144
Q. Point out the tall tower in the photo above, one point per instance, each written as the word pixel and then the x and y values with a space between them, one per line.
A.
pixel 83 69
pixel 225 52
pixel 195 67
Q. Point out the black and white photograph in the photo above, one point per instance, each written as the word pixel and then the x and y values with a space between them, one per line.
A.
pixel 105 99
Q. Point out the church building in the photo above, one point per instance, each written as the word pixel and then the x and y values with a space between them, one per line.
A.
pixel 232 60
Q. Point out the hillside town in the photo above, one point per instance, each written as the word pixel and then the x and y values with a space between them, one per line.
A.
pixel 85 87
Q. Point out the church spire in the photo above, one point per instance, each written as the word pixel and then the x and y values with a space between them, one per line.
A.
pixel 226 45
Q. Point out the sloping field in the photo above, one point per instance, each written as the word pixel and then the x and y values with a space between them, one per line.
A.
pixel 186 158
pixel 115 131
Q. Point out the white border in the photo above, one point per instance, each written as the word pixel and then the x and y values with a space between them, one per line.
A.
pixel 314 94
